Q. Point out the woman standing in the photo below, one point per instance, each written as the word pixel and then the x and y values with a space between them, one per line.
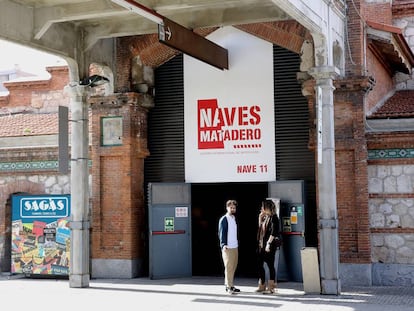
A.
pixel 268 241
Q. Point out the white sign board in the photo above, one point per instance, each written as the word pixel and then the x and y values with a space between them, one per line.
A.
pixel 229 115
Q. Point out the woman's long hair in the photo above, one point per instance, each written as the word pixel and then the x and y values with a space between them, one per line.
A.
pixel 269 205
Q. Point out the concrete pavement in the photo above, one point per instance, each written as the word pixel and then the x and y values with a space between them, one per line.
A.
pixel 189 294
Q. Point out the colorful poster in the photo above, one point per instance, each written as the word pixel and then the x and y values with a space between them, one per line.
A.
pixel 229 114
pixel 40 234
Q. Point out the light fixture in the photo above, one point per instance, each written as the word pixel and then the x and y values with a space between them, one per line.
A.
pixel 94 80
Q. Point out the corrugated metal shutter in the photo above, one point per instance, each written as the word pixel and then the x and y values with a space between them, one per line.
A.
pixel 293 158
pixel 166 125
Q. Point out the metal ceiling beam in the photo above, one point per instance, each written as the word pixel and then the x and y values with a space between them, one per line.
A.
pixel 45 17
pixel 140 9
pixel 16 25
pixel 115 29
pixel 180 37
pixel 190 43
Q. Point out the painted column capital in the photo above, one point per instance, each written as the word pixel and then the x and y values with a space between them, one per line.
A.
pixel 76 91
pixel 324 72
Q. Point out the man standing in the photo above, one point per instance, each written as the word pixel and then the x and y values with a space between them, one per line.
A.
pixel 229 244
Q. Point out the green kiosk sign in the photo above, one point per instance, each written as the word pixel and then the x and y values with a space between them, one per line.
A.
pixel 169 224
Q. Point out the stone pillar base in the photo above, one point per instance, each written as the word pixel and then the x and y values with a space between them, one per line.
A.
pixel 116 268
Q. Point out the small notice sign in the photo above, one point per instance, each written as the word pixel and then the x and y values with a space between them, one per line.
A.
pixel 294 218
pixel 169 224
pixel 181 211
pixel 286 224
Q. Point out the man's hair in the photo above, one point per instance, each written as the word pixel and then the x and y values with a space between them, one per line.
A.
pixel 231 202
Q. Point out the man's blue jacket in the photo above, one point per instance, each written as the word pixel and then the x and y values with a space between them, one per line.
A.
pixel 223 228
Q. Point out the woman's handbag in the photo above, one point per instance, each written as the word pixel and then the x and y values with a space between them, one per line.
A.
pixel 277 241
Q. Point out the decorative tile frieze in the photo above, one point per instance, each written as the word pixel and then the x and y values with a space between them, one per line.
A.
pixel 28 166
pixel 396 153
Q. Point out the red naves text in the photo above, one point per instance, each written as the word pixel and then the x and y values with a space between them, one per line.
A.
pixel 217 125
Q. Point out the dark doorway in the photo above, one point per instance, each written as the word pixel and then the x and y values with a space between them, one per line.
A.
pixel 208 205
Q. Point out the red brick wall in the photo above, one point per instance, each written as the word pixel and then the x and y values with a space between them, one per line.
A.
pixel 152 54
pixel 287 34
pixel 351 166
pixel 355 35
pixel 358 13
pixel 21 92
pixel 378 12
pixel 350 141
pixel 402 8
pixel 118 215
pixel 383 82
pixel 352 171
pixel 390 141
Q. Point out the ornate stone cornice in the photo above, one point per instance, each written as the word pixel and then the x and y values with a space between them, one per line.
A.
pixel 324 72
pixel 118 100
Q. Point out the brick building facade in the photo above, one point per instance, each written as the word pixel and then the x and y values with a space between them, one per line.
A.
pixel 374 158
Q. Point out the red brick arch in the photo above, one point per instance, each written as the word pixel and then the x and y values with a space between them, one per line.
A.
pixel 288 34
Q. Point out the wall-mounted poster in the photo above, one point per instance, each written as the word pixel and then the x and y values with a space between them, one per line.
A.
pixel 229 114
pixel 111 128
pixel 40 242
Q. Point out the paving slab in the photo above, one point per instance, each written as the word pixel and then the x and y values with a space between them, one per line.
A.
pixel 189 294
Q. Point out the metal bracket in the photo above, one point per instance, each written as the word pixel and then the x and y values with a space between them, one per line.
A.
pixel 328 223
pixel 79 225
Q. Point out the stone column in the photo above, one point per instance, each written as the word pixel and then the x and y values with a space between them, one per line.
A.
pixel 79 223
pixel 326 178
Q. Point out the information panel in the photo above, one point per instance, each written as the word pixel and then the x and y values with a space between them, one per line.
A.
pixel 40 234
